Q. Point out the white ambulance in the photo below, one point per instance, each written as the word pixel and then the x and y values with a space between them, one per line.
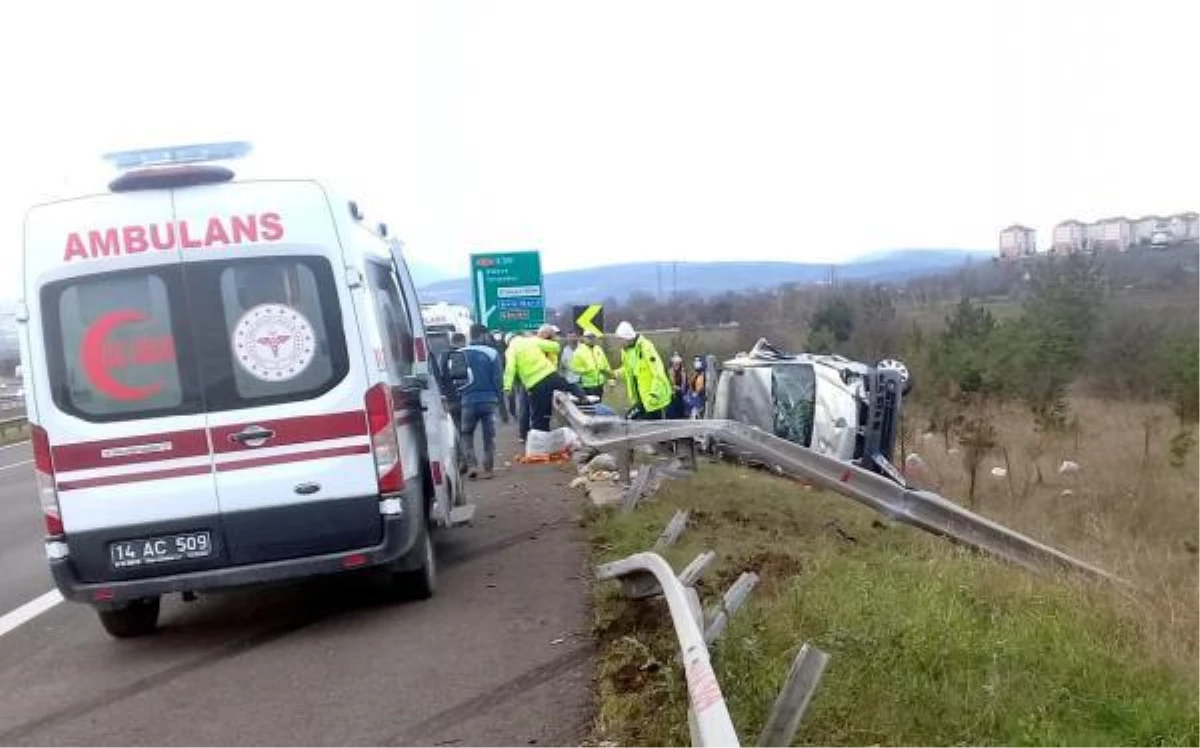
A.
pixel 227 383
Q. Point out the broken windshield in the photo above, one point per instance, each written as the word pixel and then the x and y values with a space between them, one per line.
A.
pixel 794 392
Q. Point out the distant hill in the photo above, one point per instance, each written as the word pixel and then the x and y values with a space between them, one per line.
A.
pixel 593 285
pixel 424 275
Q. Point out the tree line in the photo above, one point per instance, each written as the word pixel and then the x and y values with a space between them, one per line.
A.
pixel 1112 326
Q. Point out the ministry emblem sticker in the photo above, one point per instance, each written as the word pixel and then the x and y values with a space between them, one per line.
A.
pixel 273 342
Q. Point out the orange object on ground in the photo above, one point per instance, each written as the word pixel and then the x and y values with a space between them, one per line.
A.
pixel 560 456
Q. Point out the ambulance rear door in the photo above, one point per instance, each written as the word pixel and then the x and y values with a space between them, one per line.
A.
pixel 281 363
pixel 120 431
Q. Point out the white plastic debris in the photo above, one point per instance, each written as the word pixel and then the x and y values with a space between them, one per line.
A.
pixel 1068 467
pixel 602 461
pixel 550 442
pixel 579 482
pixel 1068 492
pixel 999 472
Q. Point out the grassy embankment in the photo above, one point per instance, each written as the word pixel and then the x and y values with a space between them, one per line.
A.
pixel 933 645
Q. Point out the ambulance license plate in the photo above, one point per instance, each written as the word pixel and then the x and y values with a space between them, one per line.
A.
pixel 187 546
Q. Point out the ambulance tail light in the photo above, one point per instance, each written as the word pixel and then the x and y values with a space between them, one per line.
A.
pixel 43 468
pixel 385 444
pixel 420 351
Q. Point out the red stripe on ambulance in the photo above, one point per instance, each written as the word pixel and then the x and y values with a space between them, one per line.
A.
pixel 130 451
pixel 296 430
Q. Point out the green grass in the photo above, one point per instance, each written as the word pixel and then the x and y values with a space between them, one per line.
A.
pixel 930 644
pixel 14 435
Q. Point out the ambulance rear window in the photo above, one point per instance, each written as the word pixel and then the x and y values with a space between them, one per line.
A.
pixel 174 340
pixel 115 347
pixel 274 331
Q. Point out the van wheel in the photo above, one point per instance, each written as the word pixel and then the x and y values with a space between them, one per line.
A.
pixel 137 618
pixel 419 583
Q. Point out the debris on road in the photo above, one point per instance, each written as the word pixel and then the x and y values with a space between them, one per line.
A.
pixel 601 462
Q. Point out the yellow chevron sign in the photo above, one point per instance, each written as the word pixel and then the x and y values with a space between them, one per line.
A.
pixel 590 319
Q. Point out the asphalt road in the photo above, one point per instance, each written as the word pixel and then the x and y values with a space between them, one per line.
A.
pixel 501 656
pixel 23 571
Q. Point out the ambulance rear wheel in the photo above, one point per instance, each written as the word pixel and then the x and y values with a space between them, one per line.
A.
pixel 421 582
pixel 137 618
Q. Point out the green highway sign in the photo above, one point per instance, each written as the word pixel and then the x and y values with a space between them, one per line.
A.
pixel 508 290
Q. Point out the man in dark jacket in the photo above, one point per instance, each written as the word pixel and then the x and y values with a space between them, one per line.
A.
pixel 480 398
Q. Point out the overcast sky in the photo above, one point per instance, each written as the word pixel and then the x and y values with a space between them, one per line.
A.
pixel 620 131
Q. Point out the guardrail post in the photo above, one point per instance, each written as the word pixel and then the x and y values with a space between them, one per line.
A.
pixel 672 531
pixel 693 571
pixel 734 598
pixel 624 464
pixel 793 700
pixel 641 485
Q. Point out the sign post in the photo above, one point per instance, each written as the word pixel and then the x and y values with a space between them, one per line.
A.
pixel 508 290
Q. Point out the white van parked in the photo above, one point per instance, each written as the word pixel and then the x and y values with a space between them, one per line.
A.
pixel 227 384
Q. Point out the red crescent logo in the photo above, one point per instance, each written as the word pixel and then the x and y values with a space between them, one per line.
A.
pixel 91 353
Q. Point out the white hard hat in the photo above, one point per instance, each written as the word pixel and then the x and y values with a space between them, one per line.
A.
pixel 625 331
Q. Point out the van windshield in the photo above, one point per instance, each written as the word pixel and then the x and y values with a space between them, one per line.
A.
pixel 174 340
pixel 794 392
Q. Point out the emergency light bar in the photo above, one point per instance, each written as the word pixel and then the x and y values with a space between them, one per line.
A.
pixel 174 166
pixel 178 154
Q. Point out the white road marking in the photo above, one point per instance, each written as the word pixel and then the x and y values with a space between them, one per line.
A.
pixel 14 445
pixel 29 611
pixel 15 464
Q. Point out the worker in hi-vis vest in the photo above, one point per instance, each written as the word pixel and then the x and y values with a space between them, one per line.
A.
pixel 590 363
pixel 646 379
pixel 528 362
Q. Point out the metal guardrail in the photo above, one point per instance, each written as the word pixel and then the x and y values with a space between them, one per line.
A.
pixel 708 716
pixel 923 509
pixel 645 575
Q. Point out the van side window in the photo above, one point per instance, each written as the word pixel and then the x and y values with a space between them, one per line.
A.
pixel 115 344
pixel 392 316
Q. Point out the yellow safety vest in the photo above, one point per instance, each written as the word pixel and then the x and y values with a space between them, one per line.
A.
pixel 591 364
pixel 646 379
pixel 527 359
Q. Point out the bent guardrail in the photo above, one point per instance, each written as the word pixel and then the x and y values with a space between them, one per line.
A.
pixel 708 715
pixel 645 575
pixel 922 509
